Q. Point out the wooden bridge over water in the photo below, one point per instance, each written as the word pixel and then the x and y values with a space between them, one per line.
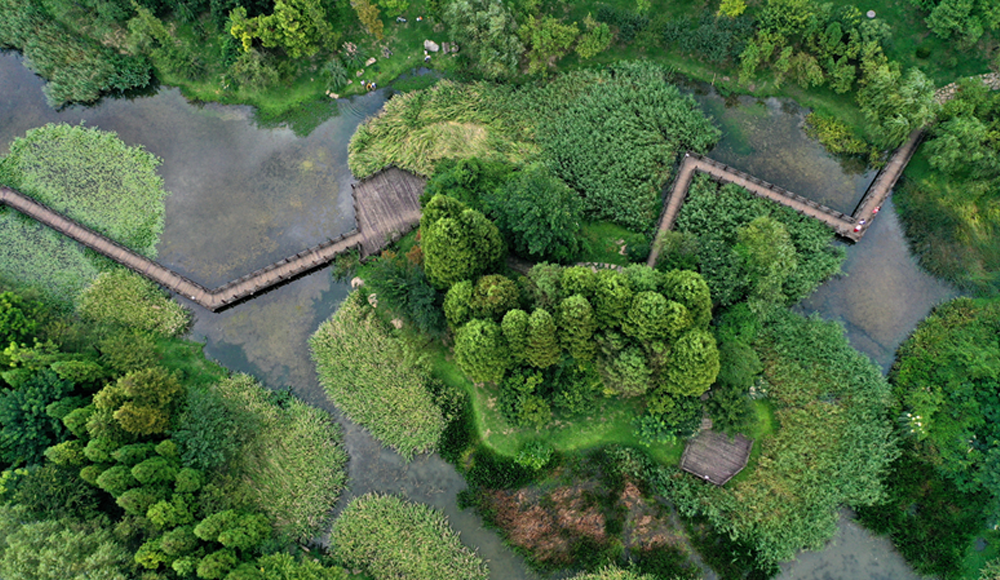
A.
pixel 386 206
pixel 852 227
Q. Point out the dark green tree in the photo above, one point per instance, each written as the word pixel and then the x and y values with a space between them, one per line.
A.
pixel 578 280
pixel 467 180
pixel 487 32
pixel 627 373
pixel 612 298
pixel 576 327
pixel 458 303
pixel 543 344
pixel 27 431
pixel 515 331
pixel 769 258
pixel 691 290
pixel 538 213
pixel 481 351
pixel 544 286
pixel 694 364
pixel 18 318
pixel 458 243
pixel 493 295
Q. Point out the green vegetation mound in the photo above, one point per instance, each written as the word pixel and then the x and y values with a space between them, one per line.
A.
pixel 91 176
pixel 739 257
pixel 123 298
pixel 949 203
pixel 369 374
pixel 946 381
pixel 832 447
pixel 389 537
pixel 611 134
pixel 291 463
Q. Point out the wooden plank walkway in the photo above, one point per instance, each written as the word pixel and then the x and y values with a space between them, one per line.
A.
pixel 715 457
pixel 852 227
pixel 387 205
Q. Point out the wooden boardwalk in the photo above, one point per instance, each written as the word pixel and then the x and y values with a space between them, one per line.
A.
pixel 852 227
pixel 387 205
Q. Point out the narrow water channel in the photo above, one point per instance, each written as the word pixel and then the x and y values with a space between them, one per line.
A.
pixel 243 197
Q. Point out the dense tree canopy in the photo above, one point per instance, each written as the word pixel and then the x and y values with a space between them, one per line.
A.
pixel 538 213
pixel 487 31
pixel 833 446
pixel 946 379
pixel 459 243
pixel 717 215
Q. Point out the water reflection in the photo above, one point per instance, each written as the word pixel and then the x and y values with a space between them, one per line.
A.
pixel 243 197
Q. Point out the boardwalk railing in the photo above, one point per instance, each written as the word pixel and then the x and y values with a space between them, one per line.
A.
pixel 852 227
pixel 403 197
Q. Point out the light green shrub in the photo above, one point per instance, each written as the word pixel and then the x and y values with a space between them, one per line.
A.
pixel 390 537
pixel 363 369
pixel 124 298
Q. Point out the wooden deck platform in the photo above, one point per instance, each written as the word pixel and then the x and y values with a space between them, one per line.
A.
pixel 716 457
pixel 387 205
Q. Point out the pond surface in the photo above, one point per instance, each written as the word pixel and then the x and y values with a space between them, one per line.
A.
pixel 243 197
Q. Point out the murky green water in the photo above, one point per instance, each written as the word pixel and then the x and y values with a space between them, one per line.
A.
pixel 767 139
pixel 243 197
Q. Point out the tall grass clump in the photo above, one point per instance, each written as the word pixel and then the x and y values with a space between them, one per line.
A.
pixel 93 177
pixel 290 464
pixel 611 134
pixel 367 372
pixel 389 537
pixel 122 298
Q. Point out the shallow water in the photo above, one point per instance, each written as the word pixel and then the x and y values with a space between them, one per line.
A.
pixel 767 139
pixel 854 554
pixel 241 198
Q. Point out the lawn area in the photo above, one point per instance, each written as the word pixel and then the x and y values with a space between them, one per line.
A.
pixel 611 424
pixel 599 243
pixel 188 356
pixel 764 425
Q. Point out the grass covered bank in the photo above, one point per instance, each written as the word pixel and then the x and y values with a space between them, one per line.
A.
pixel 93 177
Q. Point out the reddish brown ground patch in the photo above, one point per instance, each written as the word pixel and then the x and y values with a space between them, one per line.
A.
pixel 549 526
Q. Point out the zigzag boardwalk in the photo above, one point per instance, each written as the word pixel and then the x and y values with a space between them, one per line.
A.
pixel 386 206
pixel 852 227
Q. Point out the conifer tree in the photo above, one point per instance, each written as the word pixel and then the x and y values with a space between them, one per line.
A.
pixel 515 330
pixel 576 327
pixel 543 345
pixel 481 351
